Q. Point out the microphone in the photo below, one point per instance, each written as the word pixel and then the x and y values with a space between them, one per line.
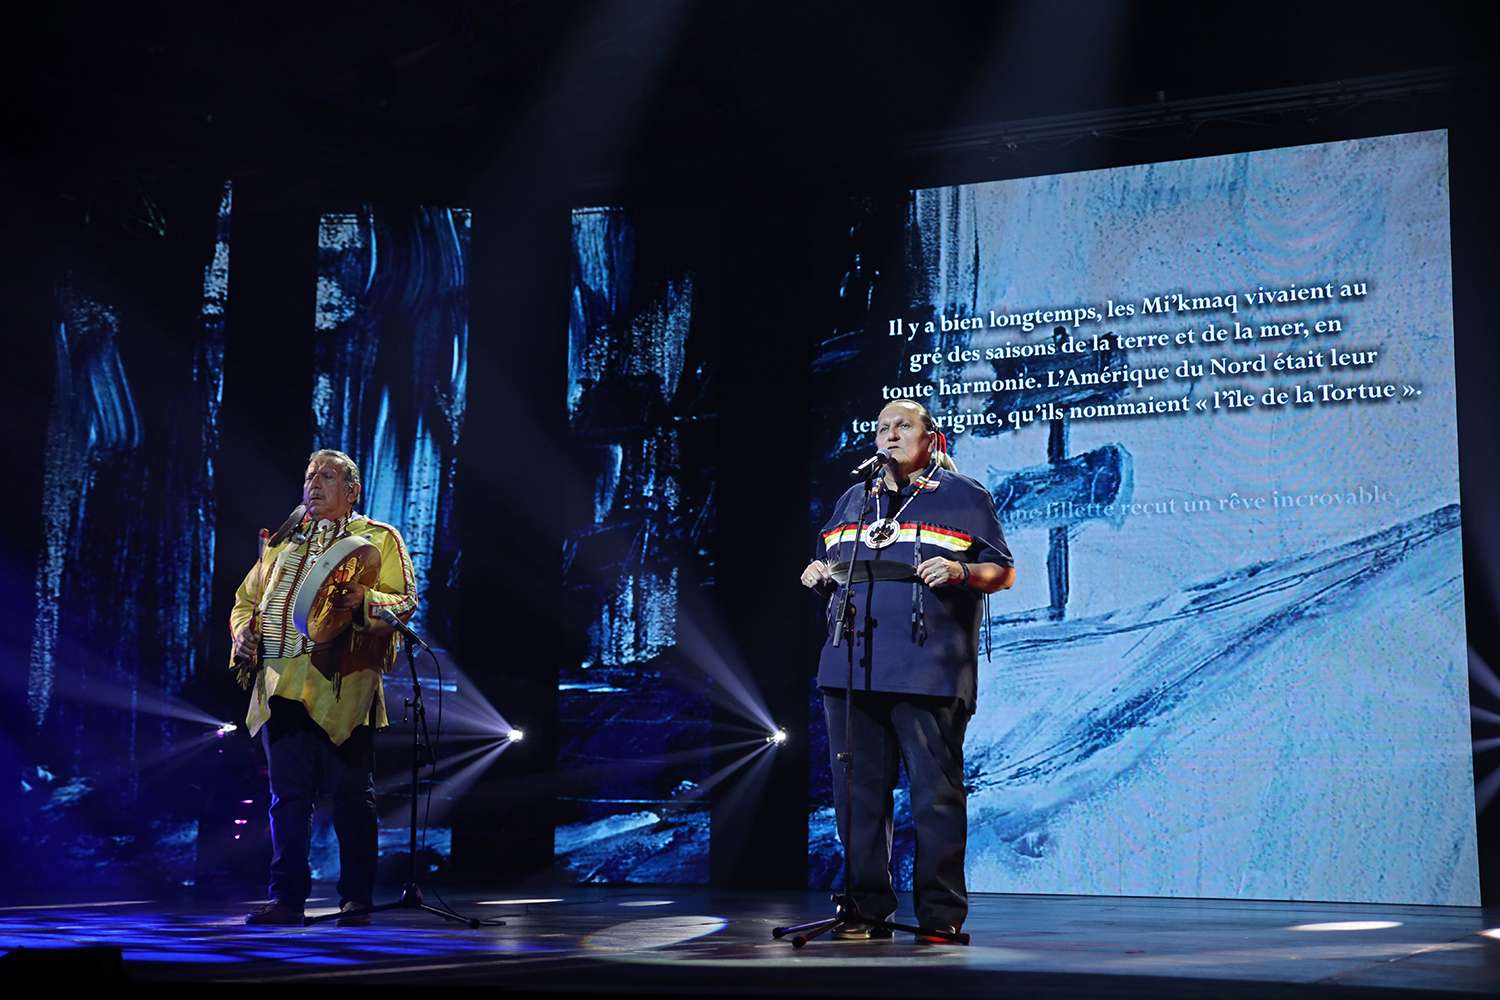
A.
pixel 288 526
pixel 389 617
pixel 869 465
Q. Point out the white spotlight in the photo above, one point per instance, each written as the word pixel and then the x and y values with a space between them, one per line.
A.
pixel 515 736
pixel 777 738
pixel 225 729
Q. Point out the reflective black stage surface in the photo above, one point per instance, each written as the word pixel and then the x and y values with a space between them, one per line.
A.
pixel 693 942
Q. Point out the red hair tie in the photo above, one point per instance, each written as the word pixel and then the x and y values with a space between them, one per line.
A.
pixel 942 442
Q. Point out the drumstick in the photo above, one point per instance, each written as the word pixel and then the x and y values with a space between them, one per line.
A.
pixel 248 662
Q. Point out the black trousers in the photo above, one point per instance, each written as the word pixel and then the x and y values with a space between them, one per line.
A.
pixel 303 763
pixel 927 735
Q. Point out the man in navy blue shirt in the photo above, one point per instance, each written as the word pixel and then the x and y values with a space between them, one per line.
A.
pixel 929 549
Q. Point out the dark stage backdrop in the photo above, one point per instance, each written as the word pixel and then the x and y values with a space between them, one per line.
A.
pixel 111 645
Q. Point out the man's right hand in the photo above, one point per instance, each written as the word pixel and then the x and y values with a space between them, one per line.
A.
pixel 246 645
pixel 816 575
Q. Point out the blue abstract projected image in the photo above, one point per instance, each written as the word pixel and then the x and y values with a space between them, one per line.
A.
pixel 121 595
pixel 1214 402
pixel 390 388
pixel 390 374
pixel 640 412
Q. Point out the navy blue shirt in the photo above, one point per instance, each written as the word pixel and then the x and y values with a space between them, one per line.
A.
pixel 949 515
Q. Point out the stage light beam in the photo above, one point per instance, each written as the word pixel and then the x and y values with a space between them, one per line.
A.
pixel 759 753
pixel 777 737
pixel 447 790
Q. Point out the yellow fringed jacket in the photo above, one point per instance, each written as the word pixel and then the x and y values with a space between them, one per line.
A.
pixel 340 682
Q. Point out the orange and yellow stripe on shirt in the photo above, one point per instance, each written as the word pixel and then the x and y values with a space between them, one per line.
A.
pixel 943 538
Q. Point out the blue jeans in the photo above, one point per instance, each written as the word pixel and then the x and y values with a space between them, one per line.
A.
pixel 302 762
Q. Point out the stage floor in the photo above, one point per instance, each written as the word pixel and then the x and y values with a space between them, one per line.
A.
pixel 696 941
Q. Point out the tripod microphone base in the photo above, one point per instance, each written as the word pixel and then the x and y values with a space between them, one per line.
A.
pixel 411 899
pixel 421 750
pixel 848 917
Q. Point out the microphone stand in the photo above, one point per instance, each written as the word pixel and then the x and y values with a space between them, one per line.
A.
pixel 847 914
pixel 421 749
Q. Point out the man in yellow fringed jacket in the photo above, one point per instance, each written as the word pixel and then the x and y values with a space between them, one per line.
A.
pixel 315 707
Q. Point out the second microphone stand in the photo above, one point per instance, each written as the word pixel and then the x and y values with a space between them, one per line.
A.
pixel 421 750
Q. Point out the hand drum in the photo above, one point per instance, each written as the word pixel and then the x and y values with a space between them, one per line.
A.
pixel 351 559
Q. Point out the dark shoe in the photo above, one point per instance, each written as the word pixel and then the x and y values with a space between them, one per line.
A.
pixel 350 915
pixel 931 936
pixel 275 914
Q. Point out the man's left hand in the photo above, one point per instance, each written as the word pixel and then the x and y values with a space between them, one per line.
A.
pixel 940 572
pixel 349 597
